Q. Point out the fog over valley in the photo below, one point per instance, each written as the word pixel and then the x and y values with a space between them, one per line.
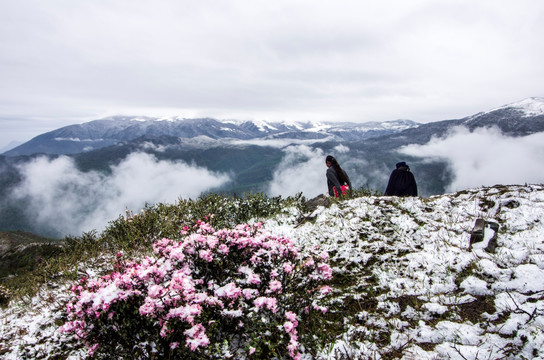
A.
pixel 67 200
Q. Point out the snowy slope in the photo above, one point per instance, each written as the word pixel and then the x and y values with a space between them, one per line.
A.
pixel 533 106
pixel 413 290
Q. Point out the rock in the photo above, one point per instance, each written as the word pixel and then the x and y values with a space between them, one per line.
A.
pixel 484 235
pixel 320 200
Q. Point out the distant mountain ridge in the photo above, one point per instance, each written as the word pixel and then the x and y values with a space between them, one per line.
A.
pixel 520 118
pixel 101 133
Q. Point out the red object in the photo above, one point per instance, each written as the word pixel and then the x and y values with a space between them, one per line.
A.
pixel 344 189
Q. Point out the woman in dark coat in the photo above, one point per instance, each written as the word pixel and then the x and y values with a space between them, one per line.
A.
pixel 337 180
pixel 401 182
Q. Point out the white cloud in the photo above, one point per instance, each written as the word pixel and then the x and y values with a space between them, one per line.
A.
pixel 278 143
pixel 71 201
pixel 301 170
pixel 280 60
pixel 486 157
pixel 341 149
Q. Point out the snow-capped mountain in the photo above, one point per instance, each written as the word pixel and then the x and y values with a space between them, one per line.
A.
pixel 110 131
pixel 521 118
pixel 533 106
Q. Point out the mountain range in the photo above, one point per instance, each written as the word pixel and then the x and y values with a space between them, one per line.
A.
pixel 516 119
pixel 101 133
pixel 256 156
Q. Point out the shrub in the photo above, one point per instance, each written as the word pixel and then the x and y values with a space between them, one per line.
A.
pixel 211 294
pixel 4 295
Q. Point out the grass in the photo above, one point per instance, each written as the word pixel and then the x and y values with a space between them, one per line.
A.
pixel 133 234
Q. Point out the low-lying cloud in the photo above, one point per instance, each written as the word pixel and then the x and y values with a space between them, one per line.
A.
pixel 71 201
pixel 301 170
pixel 486 157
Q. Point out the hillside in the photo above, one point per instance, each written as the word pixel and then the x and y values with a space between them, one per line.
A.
pixel 405 284
pixel 22 251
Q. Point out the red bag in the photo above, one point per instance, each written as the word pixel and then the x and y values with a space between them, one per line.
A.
pixel 344 189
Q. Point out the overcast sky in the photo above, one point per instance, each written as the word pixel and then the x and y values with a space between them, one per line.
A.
pixel 70 61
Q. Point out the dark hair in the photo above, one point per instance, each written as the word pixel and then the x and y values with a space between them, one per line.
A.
pixel 342 176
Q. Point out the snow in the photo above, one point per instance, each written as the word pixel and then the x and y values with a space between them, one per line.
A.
pixel 533 106
pixel 401 248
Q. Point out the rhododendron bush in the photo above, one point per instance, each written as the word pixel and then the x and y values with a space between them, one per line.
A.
pixel 239 292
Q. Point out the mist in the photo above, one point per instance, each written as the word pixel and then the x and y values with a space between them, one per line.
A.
pixel 301 170
pixel 72 202
pixel 485 157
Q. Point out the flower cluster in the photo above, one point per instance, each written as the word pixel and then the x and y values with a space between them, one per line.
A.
pixel 232 286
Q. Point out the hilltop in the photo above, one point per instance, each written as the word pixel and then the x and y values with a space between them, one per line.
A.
pixel 406 281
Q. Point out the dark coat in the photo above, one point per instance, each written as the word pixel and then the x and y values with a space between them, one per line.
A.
pixel 333 181
pixel 401 183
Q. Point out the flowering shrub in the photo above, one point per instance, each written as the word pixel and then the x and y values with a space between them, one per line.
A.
pixel 4 295
pixel 213 294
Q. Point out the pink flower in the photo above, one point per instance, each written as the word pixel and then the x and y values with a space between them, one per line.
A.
pixel 292 348
pixel 309 262
pixel 230 291
pixel 155 291
pixel 147 307
pixel 250 293
pixel 92 349
pixel 223 249
pixel 275 286
pixel 206 255
pixel 325 289
pixel 187 312
pixel 324 255
pixel 288 267
pixel 325 270
pixel 252 350
pixel 212 242
pixel 323 309
pixel 267 302
pixel 291 316
pixel 254 279
pixel 288 326
pixel 196 337
pixel 177 254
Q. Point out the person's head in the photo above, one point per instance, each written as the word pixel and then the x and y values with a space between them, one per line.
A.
pixel 400 164
pixel 329 160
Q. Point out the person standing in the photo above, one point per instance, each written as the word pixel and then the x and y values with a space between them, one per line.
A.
pixel 401 181
pixel 337 180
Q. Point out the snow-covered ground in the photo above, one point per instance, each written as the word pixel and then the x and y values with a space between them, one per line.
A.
pixel 414 288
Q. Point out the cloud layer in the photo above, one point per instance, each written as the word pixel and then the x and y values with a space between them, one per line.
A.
pixel 301 170
pixel 63 62
pixel 486 157
pixel 71 202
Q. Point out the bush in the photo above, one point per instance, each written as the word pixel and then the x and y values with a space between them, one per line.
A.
pixel 164 220
pixel 211 294
pixel 4 295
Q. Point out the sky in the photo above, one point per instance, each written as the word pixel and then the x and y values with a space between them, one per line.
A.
pixel 70 61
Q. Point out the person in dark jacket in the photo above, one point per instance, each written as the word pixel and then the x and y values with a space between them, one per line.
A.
pixel 401 182
pixel 337 180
